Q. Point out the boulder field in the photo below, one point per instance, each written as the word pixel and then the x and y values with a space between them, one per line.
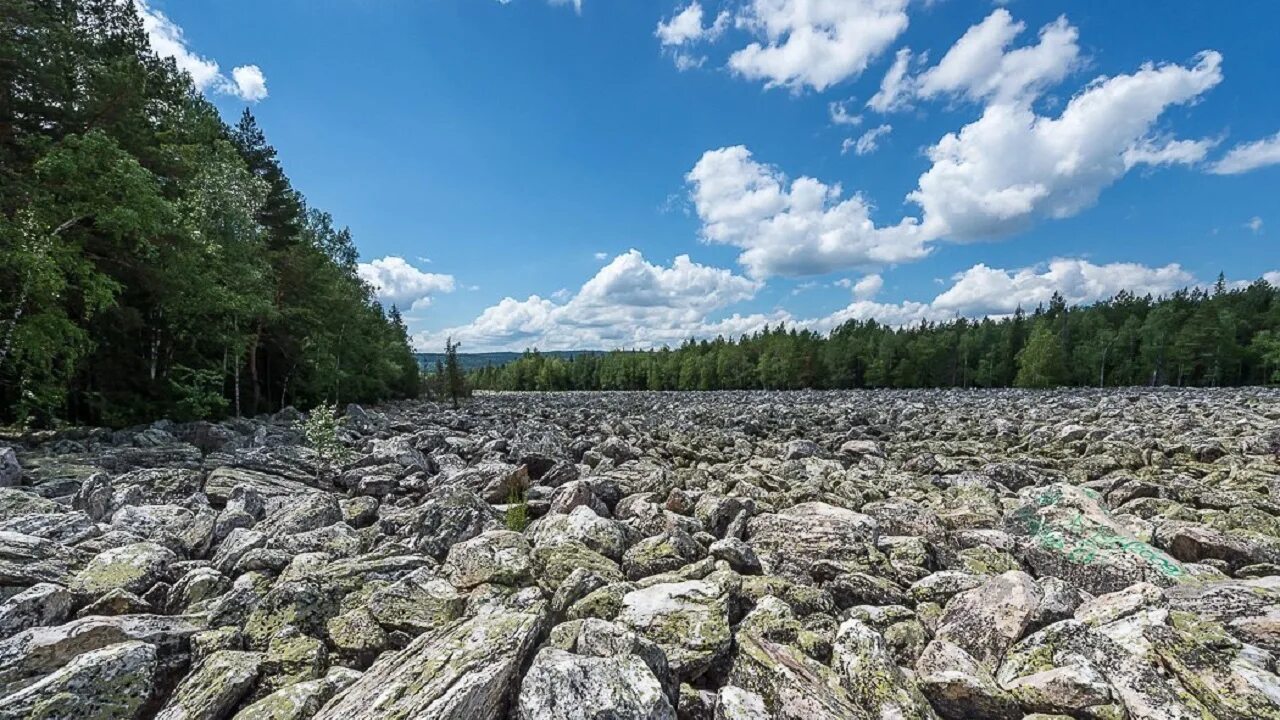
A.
pixel 879 555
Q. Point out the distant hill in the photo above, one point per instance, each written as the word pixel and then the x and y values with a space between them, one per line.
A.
pixel 475 361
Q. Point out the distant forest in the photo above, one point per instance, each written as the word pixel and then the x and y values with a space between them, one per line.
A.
pixel 155 262
pixel 1193 337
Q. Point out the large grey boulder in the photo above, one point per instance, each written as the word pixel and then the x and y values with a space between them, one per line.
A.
pixel 563 686
pixel 132 568
pixel 688 620
pixel 1067 532
pixel 448 516
pixel 790 541
pixel 111 682
pixel 41 650
pixel 872 679
pixel 464 670
pixel 502 557
pixel 39 605
pixel 988 619
pixel 213 689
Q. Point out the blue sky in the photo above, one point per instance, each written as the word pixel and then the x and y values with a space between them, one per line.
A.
pixel 529 173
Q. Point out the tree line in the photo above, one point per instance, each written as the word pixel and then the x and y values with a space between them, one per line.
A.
pixel 153 260
pixel 1196 337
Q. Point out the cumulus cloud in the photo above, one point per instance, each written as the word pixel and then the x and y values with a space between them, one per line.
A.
pixel 991 178
pixel 684 29
pixel 1249 156
pixel 1168 152
pixel 168 41
pixel 895 87
pixel 251 84
pixel 628 303
pixel 840 114
pixel 868 287
pixel 815 43
pixel 1272 277
pixel 395 281
pixel 1012 166
pixel 979 67
pixel 982 290
pixel 787 227
pixel 635 304
pixel 869 142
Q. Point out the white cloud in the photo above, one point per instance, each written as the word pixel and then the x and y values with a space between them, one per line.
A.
pixel 634 304
pixel 1272 277
pixel 982 290
pixel 1254 224
pixel 628 303
pixel 1011 166
pixel 978 66
pixel 251 84
pixel 784 227
pixel 396 281
pixel 993 177
pixel 600 255
pixel 840 114
pixel 815 43
pixel 868 287
pixel 684 29
pixel 686 26
pixel 895 87
pixel 168 41
pixel 1168 152
pixel 1249 156
pixel 869 142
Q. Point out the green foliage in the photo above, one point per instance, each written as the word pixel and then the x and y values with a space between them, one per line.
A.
pixel 320 430
pixel 517 518
pixel 1040 363
pixel 1192 337
pixel 153 260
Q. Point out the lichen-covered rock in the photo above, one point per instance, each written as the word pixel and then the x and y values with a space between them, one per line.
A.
pixel 987 620
pixel 959 687
pixel 661 553
pixel 463 670
pixel 792 540
pixel 872 679
pixel 602 535
pixel 792 685
pixel 213 688
pixel 300 701
pixel 1067 532
pixel 448 516
pixel 38 605
pixel 688 620
pixel 554 563
pixel 40 650
pixel 734 703
pixel 115 681
pixel 417 603
pixel 498 556
pixel 564 686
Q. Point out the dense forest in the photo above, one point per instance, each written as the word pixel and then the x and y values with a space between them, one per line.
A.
pixel 1193 337
pixel 154 261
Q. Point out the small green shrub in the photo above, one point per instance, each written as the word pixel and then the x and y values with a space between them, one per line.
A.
pixel 517 510
pixel 320 429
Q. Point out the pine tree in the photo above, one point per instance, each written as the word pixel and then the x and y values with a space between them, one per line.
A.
pixel 453 372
